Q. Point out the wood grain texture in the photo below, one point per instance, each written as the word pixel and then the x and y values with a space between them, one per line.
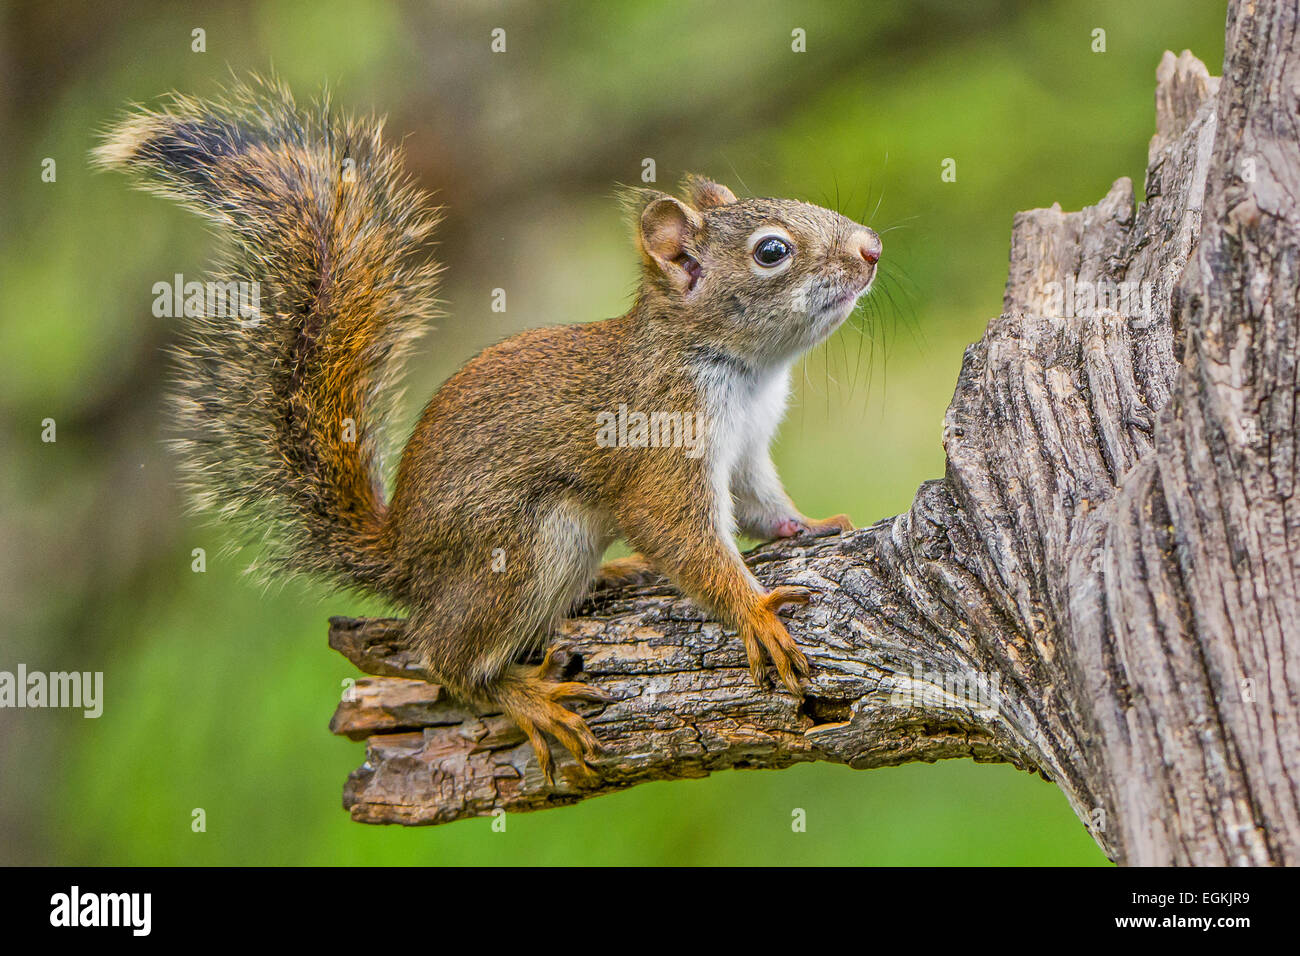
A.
pixel 1101 588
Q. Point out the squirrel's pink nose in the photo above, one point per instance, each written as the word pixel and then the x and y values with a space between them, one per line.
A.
pixel 868 246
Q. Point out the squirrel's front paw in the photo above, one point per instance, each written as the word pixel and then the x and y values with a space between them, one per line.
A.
pixel 789 527
pixel 765 636
pixel 837 523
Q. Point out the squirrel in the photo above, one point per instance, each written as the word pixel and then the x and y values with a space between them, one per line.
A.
pixel 515 481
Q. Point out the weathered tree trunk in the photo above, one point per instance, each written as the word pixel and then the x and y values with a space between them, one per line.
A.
pixel 1102 588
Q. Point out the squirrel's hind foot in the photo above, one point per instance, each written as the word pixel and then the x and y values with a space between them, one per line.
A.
pixel 530 697
pixel 633 569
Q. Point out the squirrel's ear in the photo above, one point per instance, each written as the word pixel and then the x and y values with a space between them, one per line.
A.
pixel 667 227
pixel 704 193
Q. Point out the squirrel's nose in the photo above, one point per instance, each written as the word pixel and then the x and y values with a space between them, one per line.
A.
pixel 868 246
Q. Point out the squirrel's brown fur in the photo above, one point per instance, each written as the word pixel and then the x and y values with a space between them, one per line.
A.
pixel 505 497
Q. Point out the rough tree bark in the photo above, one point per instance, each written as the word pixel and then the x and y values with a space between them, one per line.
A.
pixel 1102 588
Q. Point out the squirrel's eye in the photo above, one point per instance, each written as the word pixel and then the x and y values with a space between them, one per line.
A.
pixel 771 251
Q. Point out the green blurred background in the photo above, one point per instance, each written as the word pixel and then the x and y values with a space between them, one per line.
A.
pixel 217 694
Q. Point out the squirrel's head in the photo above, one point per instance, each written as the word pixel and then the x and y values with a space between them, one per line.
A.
pixel 766 279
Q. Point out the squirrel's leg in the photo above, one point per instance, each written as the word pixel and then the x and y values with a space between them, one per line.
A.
pixel 764 510
pixel 687 545
pixel 482 617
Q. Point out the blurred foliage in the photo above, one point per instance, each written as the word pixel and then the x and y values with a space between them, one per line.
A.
pixel 217 693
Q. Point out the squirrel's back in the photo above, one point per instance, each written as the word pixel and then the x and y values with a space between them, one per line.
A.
pixel 279 409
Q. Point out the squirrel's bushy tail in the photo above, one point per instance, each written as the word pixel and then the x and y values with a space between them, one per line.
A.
pixel 280 407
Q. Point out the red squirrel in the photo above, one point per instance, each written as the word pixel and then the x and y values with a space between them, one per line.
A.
pixel 513 484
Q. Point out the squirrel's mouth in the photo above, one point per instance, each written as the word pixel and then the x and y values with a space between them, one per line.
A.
pixel 836 308
pixel 847 298
pixel 843 302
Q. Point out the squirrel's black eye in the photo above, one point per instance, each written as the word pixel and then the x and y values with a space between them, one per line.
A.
pixel 771 251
